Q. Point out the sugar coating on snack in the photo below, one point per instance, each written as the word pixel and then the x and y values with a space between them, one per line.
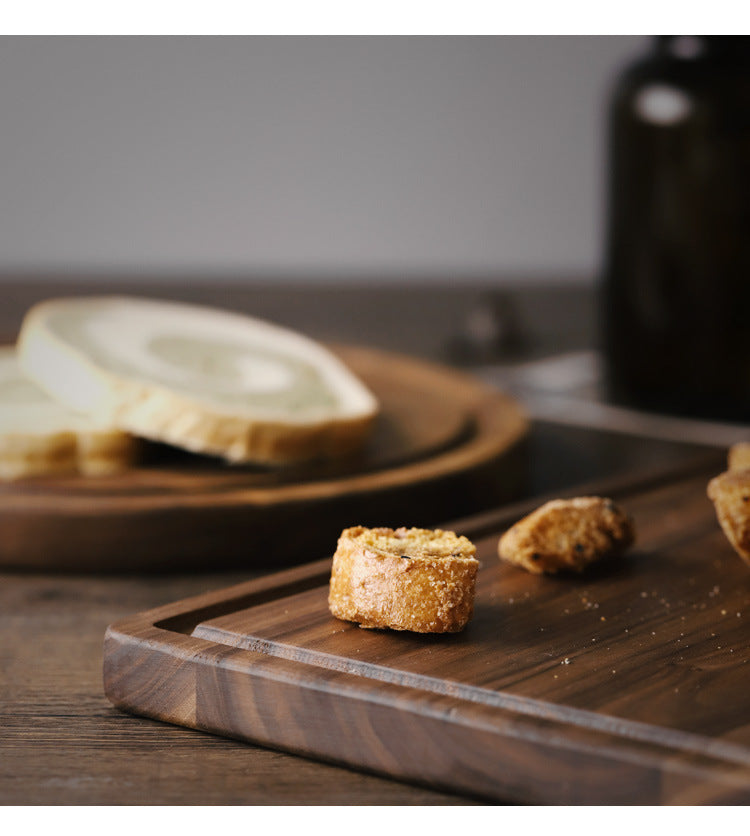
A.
pixel 567 535
pixel 413 579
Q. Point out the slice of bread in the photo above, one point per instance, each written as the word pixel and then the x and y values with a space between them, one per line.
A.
pixel 206 380
pixel 406 579
pixel 38 436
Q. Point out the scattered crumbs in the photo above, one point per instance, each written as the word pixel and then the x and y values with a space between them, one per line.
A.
pixel 593 640
pixel 602 618
pixel 565 661
pixel 653 633
pixel 644 594
pixel 613 670
pixel 723 612
pixel 714 591
pixel 627 629
pixel 555 676
pixel 739 615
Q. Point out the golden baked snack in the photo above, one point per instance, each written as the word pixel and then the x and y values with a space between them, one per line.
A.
pixel 730 494
pixel 567 535
pixel 405 579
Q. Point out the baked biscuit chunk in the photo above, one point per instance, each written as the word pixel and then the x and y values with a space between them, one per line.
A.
pixel 730 494
pixel 567 535
pixel 405 579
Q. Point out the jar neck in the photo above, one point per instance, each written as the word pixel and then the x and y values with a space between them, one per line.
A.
pixel 729 49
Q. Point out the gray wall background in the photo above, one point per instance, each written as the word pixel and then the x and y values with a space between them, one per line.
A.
pixel 305 157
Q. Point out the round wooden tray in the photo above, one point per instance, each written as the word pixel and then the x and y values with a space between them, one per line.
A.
pixel 444 446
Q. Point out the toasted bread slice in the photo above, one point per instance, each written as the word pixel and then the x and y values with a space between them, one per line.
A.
pixel 404 579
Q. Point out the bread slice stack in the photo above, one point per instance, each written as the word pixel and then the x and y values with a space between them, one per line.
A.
pixel 40 436
pixel 206 380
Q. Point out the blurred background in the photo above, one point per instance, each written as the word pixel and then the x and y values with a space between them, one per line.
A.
pixel 349 158
pixel 556 195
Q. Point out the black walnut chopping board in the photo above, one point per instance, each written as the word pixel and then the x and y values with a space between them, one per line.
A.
pixel 628 685
pixel 444 443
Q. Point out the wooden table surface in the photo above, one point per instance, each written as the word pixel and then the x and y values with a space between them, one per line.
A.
pixel 61 742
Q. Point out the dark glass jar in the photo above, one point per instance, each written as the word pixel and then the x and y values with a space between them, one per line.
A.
pixel 676 273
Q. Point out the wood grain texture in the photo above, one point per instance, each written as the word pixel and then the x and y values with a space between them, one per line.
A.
pixel 62 742
pixel 627 685
pixel 444 444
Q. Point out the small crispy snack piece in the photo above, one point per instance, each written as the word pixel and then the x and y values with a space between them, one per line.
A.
pixel 730 494
pixel 405 579
pixel 739 456
pixel 567 535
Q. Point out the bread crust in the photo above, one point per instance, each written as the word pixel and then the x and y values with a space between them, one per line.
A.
pixel 567 535
pixel 157 412
pixel 730 494
pixel 64 443
pixel 89 454
pixel 403 579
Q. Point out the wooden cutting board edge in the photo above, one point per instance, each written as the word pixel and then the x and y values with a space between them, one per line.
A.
pixel 485 752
